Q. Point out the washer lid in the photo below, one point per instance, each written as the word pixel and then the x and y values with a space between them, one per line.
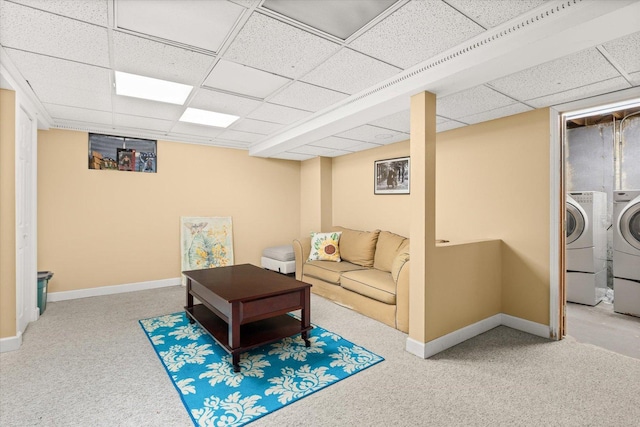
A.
pixel 575 221
pixel 630 223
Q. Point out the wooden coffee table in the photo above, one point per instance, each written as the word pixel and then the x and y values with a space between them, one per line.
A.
pixel 244 306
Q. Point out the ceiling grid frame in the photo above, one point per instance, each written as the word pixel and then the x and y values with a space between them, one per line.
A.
pixel 276 139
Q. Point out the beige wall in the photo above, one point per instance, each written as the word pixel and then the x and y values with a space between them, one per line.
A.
pixel 492 181
pixel 101 228
pixel 355 205
pixel 461 295
pixel 316 198
pixel 7 215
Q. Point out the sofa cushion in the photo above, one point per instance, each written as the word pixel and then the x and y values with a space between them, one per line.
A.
pixel 386 250
pixel 399 260
pixel 371 283
pixel 358 247
pixel 328 271
pixel 324 246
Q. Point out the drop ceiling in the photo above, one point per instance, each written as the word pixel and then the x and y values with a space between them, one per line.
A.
pixel 312 77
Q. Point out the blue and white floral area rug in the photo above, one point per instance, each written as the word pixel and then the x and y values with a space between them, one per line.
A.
pixel 271 376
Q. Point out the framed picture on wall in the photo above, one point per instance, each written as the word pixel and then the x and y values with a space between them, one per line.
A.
pixel 126 159
pixel 391 176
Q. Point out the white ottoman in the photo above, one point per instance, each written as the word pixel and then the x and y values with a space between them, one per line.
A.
pixel 279 258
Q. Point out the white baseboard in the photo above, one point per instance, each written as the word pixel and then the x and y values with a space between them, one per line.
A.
pixel 428 349
pixel 10 343
pixel 527 326
pixel 110 290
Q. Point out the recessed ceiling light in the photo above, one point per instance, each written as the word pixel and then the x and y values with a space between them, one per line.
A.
pixel 342 19
pixel 149 88
pixel 207 118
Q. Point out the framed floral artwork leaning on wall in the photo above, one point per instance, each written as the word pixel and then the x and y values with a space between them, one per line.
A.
pixel 391 176
pixel 205 242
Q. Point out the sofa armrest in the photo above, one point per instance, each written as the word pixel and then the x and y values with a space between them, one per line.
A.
pixel 402 298
pixel 301 249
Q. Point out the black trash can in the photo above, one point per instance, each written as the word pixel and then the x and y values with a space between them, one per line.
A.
pixel 43 280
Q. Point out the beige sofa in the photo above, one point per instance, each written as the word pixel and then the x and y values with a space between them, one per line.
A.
pixel 372 278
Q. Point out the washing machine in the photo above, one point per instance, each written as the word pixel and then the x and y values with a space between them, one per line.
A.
pixel 586 246
pixel 626 252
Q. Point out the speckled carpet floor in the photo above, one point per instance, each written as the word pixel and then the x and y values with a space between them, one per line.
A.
pixel 87 362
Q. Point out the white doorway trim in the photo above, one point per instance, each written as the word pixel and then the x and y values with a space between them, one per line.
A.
pixel 26 104
pixel 26 216
pixel 556 122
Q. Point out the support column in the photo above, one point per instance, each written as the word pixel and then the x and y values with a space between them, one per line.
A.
pixel 423 210
pixel 316 195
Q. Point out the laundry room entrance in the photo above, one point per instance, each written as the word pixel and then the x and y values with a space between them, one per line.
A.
pixel 602 226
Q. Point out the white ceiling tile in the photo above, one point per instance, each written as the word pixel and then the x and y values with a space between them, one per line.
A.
pixel 449 125
pixel 497 113
pixel 635 78
pixel 364 146
pixel 157 125
pixel 594 89
pixel 400 121
pixel 186 21
pixel 256 126
pixel 307 97
pixel 278 114
pixel 427 28
pixel 231 144
pixel 492 13
pixel 393 139
pixel 311 150
pixel 472 101
pixel 33 30
pixel 62 82
pixel 223 103
pixel 349 71
pixel 337 153
pixel 94 11
pixel 149 58
pixel 182 128
pixel 238 78
pixel 246 3
pixel 293 156
pixel 268 44
pixel 570 72
pixel 78 114
pixel 368 133
pixel 146 108
pixel 234 135
pixel 336 143
pixel 194 139
pixel 626 51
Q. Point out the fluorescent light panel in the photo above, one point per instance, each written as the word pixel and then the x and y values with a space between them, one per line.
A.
pixel 207 118
pixel 152 89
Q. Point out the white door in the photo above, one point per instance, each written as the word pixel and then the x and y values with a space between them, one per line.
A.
pixel 26 267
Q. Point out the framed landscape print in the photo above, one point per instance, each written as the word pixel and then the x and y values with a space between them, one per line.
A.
pixel 391 176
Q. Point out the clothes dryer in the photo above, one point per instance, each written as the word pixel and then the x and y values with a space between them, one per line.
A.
pixel 626 252
pixel 586 231
pixel 586 246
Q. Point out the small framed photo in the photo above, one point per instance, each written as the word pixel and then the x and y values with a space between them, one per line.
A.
pixel 391 176
pixel 126 159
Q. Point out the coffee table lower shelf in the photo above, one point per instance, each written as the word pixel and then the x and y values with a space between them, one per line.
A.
pixel 252 334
